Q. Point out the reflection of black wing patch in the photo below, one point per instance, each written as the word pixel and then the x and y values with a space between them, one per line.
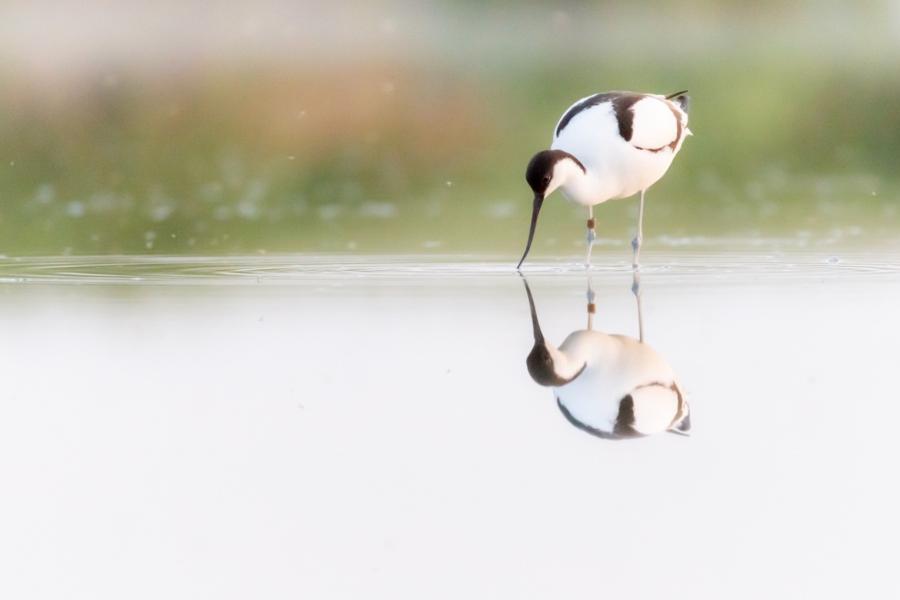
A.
pixel 622 103
pixel 624 421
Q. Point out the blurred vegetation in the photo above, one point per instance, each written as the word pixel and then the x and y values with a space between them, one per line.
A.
pixel 796 133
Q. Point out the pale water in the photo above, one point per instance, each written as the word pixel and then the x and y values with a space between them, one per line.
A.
pixel 357 427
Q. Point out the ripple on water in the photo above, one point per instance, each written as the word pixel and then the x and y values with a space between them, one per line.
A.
pixel 678 265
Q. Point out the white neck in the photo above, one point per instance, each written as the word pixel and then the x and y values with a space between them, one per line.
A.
pixel 578 186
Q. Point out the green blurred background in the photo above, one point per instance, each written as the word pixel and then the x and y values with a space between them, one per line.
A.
pixel 237 127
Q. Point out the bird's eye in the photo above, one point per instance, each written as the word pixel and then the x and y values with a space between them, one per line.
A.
pixel 546 180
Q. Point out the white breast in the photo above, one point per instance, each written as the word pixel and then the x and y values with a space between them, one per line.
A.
pixel 592 136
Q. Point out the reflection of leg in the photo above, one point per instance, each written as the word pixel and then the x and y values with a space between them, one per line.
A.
pixel 591 236
pixel 639 237
pixel 591 307
pixel 636 289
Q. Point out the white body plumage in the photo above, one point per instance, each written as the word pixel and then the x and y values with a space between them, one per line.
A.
pixel 619 367
pixel 613 166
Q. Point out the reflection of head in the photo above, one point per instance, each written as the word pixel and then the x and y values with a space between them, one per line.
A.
pixel 546 364
pixel 547 371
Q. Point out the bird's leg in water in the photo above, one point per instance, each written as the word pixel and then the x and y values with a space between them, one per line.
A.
pixel 591 307
pixel 639 237
pixel 636 290
pixel 591 236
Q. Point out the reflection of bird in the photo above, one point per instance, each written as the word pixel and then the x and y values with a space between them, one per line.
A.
pixel 612 386
pixel 606 146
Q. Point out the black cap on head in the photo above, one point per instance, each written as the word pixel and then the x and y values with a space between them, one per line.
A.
pixel 540 170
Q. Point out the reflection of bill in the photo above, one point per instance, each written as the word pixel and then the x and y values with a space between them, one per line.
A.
pixel 612 386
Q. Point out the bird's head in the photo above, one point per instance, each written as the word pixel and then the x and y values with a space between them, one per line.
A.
pixel 547 170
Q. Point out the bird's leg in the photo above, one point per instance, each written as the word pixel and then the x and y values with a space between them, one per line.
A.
pixel 639 237
pixel 591 236
pixel 591 307
pixel 636 290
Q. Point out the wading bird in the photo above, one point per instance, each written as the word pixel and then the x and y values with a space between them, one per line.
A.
pixel 607 146
pixel 611 386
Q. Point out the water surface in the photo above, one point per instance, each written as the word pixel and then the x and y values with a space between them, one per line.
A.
pixel 345 427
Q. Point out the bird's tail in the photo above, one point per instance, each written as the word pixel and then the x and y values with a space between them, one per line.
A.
pixel 681 99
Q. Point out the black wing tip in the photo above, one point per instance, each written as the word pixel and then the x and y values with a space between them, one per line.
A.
pixel 683 427
pixel 681 98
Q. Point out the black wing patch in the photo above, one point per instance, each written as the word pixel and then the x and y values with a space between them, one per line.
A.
pixel 622 103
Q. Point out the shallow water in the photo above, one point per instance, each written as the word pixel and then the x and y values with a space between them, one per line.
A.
pixel 335 427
